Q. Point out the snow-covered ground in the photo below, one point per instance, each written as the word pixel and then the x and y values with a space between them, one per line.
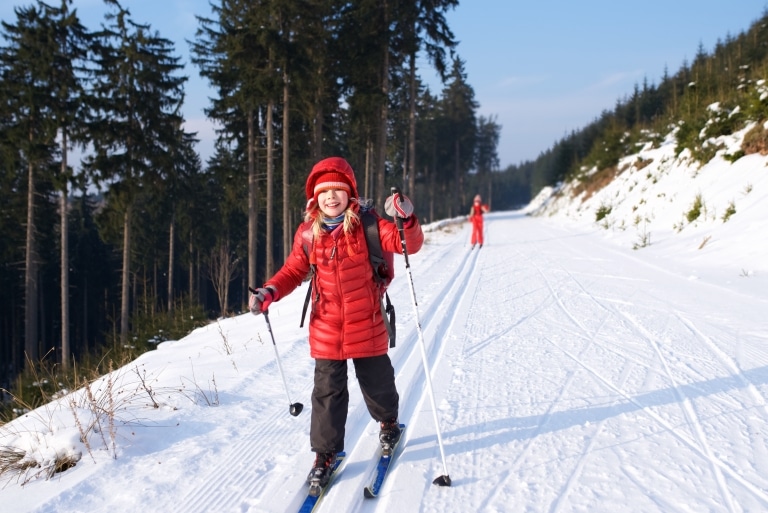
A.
pixel 571 373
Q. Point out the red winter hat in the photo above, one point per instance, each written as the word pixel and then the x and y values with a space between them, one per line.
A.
pixel 330 173
pixel 331 180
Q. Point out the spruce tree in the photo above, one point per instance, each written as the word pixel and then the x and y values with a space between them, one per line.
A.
pixel 230 55
pixel 486 154
pixel 12 215
pixel 26 72
pixel 459 107
pixel 137 98
pixel 69 54
pixel 425 29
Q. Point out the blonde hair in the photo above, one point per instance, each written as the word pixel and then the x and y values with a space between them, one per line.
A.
pixel 315 215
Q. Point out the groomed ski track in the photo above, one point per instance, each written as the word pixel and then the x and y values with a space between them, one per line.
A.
pixel 570 375
pixel 246 468
pixel 595 360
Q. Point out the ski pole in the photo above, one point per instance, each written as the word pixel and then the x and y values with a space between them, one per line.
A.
pixel 293 408
pixel 445 479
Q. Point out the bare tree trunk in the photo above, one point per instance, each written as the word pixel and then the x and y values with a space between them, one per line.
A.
pixel 456 179
pixel 252 190
pixel 154 292
pixel 171 258
pixel 430 178
pixel 317 127
pixel 381 152
pixel 126 274
pixel 64 256
pixel 270 261
pixel 31 342
pixel 85 334
pixel 191 284
pixel 381 161
pixel 202 293
pixel 368 151
pixel 222 270
pixel 411 188
pixel 404 179
pixel 287 235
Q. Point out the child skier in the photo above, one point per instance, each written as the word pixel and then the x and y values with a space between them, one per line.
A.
pixel 346 319
pixel 476 216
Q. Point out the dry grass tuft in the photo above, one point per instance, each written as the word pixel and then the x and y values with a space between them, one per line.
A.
pixel 16 463
pixel 13 461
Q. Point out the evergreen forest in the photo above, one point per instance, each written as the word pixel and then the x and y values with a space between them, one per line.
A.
pixel 139 241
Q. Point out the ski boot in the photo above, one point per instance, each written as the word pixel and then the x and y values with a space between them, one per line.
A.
pixel 321 472
pixel 389 436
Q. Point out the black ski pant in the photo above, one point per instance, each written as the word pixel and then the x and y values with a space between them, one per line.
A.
pixel 330 398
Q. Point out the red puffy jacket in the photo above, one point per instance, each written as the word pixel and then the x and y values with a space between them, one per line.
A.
pixel 346 320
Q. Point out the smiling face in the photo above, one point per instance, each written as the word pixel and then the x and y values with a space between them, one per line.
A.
pixel 333 202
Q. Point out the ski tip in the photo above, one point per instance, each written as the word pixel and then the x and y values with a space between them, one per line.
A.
pixel 442 481
pixel 368 493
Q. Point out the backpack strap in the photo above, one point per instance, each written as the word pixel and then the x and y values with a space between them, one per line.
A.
pixel 376 256
pixel 310 276
pixel 306 299
pixel 388 314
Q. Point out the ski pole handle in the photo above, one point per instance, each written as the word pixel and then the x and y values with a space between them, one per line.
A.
pixel 399 223
pixel 252 290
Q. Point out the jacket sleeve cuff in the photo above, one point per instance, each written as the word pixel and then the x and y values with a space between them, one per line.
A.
pixel 275 293
pixel 410 222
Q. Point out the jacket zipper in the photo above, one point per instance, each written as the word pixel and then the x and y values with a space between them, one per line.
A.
pixel 339 288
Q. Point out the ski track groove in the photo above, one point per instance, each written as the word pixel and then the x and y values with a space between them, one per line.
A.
pixel 441 326
pixel 728 362
pixel 547 416
pixel 357 422
pixel 237 476
pixel 582 331
pixel 590 339
pixel 409 373
pixel 562 497
pixel 756 491
pixel 698 445
pixel 522 455
pixel 717 466
pixel 234 472
pixel 690 413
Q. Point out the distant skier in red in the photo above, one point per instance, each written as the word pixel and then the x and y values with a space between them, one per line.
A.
pixel 476 216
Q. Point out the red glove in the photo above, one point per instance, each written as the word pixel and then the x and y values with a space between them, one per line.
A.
pixel 261 299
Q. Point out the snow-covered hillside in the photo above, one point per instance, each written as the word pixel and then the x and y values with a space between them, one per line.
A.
pixel 652 206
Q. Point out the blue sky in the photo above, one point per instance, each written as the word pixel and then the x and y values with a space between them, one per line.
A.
pixel 543 67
